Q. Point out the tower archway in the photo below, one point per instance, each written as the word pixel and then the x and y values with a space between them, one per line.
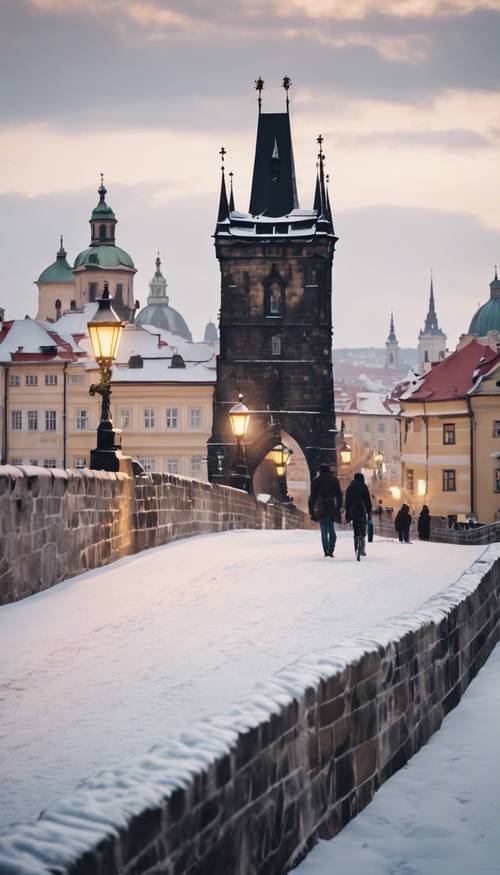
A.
pixel 265 481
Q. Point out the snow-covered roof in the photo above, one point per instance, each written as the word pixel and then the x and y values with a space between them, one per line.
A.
pixel 376 404
pixel 75 321
pixel 28 337
pixel 159 371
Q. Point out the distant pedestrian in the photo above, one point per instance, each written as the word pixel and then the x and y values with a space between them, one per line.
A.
pixel 424 524
pixel 402 524
pixel 325 504
pixel 358 509
pixel 379 510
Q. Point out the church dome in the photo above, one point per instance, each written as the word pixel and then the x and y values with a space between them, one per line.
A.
pixel 164 316
pixel 158 312
pixel 487 318
pixel 104 257
pixel 59 271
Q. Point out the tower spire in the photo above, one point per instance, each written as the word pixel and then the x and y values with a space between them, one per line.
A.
pixel 223 213
pixel 259 87
pixel 286 85
pixel 392 333
pixel 231 193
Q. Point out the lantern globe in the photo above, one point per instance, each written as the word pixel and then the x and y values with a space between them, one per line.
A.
pixel 280 455
pixel 345 454
pixel 239 415
pixel 105 329
pixel 378 457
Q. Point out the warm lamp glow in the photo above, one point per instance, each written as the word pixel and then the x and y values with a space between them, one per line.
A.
pixel 378 458
pixel 396 492
pixel 421 487
pixel 280 455
pixel 345 454
pixel 105 330
pixel 240 417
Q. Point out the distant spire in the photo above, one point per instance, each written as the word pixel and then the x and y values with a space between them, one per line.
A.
pixel 231 193
pixel 62 252
pixel 431 321
pixel 223 204
pixel 158 285
pixel 328 207
pixel 158 264
pixel 317 193
pixel 259 87
pixel 322 190
pixel 392 334
pixel 102 190
pixel 286 85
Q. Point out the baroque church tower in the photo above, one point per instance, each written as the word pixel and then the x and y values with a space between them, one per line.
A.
pixel 392 348
pixel 275 314
pixel 432 340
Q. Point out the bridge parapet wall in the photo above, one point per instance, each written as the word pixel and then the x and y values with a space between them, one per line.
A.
pixel 55 524
pixel 251 791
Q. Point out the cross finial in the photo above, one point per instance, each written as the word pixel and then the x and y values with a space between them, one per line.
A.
pixel 102 179
pixel 259 86
pixel 222 153
pixel 286 85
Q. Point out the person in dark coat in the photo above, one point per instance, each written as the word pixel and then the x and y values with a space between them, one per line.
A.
pixel 424 524
pixel 358 508
pixel 402 524
pixel 325 504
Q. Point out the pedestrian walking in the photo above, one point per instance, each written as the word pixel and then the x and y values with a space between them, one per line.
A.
pixel 402 523
pixel 358 509
pixel 379 510
pixel 424 524
pixel 325 504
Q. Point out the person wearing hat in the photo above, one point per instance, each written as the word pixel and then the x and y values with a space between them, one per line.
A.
pixel 325 504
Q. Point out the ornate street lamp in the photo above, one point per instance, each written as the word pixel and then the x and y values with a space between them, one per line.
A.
pixel 281 455
pixel 104 330
pixel 345 454
pixel 239 416
pixel 378 459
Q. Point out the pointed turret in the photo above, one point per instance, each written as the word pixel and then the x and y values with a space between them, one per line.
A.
pixel 102 220
pixel 223 214
pixel 432 340
pixel 392 334
pixel 431 321
pixel 231 193
pixel 392 348
pixel 158 285
pixel 274 190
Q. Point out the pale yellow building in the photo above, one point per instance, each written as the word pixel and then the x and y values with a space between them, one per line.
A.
pixel 450 431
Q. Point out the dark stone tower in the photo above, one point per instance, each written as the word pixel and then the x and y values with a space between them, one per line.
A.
pixel 275 314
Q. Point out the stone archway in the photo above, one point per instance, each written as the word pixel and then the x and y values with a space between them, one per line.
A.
pixel 264 478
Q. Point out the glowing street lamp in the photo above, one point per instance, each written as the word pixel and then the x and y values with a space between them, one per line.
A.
pixel 239 416
pixel 105 330
pixel 345 454
pixel 378 459
pixel 281 455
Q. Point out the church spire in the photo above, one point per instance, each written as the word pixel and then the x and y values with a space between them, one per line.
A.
pixel 103 220
pixel 158 285
pixel 274 190
pixel 431 321
pixel 392 333
pixel 223 213
pixel 231 193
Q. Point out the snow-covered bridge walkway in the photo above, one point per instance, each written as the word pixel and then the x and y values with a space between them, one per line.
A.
pixel 101 667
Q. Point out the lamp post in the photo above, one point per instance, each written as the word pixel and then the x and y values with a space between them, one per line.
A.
pixel 343 447
pixel 239 416
pixel 105 329
pixel 281 455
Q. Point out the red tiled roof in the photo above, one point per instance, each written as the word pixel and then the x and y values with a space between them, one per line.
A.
pixel 455 376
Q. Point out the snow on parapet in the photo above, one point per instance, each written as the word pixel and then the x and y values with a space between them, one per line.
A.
pixel 103 805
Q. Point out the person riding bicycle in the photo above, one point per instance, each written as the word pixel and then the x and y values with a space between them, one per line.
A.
pixel 358 508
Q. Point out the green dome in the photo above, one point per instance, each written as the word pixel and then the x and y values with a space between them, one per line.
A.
pixel 104 257
pixel 59 271
pixel 102 210
pixel 486 319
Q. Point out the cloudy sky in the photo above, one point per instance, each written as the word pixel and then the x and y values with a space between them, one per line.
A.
pixel 406 93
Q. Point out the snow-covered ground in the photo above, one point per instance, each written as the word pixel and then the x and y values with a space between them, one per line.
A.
pixel 441 813
pixel 98 669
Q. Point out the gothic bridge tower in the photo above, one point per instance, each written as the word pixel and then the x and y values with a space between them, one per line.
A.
pixel 275 312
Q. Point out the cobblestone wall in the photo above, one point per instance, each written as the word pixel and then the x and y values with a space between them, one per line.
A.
pixel 250 792
pixel 55 524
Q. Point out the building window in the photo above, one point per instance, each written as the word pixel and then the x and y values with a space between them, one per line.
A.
pixel 171 417
pixel 125 417
pixel 195 417
pixel 50 420
pixel 496 428
pixel 449 433
pixel 196 464
pixel 497 480
pixel 15 460
pixel 426 356
pixel 368 426
pixel 51 379
pixel 276 345
pixel 50 463
pixel 14 380
pixel 173 466
pixel 381 427
pixel 149 417
pixel 76 379
pixel 147 463
pixel 34 462
pixel 92 292
pixel 275 300
pixel 119 291
pixel 31 380
pixel 32 420
pixel 82 420
pixel 410 480
pixel 102 232
pixel 80 461
pixel 16 420
pixel 449 481
pixel 366 445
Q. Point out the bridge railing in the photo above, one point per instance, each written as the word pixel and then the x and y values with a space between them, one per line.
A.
pixel 488 534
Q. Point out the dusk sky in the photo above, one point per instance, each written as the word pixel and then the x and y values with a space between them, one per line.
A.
pixel 405 92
